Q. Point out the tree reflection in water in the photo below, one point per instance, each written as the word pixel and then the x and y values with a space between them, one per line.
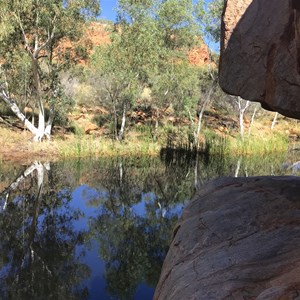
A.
pixel 131 224
pixel 38 242
pixel 133 248
pixel 134 225
pixel 53 220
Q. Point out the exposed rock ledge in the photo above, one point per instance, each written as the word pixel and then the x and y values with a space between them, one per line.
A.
pixel 260 53
pixel 238 239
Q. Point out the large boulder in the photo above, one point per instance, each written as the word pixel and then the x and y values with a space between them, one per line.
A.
pixel 260 53
pixel 238 239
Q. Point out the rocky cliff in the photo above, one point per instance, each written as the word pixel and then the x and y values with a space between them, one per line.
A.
pixel 260 53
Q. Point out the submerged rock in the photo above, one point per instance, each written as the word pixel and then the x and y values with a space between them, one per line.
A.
pixel 238 239
pixel 260 53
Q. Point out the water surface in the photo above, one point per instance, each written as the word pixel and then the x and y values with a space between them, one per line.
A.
pixel 100 229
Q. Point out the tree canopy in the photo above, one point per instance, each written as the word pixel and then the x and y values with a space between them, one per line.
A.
pixel 148 50
pixel 30 33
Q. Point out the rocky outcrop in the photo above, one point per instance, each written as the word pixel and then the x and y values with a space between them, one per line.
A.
pixel 199 56
pixel 238 239
pixel 260 53
pixel 90 128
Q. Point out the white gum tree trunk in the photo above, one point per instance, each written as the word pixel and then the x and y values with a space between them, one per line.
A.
pixel 274 121
pixel 15 109
pixel 122 129
pixel 33 47
pixel 242 107
pixel 43 129
pixel 203 108
pixel 252 121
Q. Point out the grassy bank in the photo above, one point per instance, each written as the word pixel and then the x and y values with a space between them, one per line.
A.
pixel 87 146
pixel 253 145
pixel 18 145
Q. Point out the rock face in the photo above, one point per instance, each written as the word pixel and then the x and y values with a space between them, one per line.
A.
pixel 238 239
pixel 199 56
pixel 260 53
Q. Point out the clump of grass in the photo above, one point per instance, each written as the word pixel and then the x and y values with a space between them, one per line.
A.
pixel 77 130
pixel 77 146
pixel 145 132
pixel 222 145
pixel 271 143
pixel 88 146
pixel 215 144
pixel 9 136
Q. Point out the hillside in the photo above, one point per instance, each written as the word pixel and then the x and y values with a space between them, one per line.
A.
pixel 98 33
pixel 91 121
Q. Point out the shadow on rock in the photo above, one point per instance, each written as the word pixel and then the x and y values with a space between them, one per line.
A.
pixel 260 53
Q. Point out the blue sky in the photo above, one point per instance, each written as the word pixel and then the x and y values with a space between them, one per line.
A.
pixel 107 7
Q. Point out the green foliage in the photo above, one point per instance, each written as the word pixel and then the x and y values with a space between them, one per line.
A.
pixel 118 82
pixel 81 51
pixel 30 35
pixel 209 17
pixel 16 73
pixel 177 22
pixel 178 85
pixel 41 18
pixel 148 50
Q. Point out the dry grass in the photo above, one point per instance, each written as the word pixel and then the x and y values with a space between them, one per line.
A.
pixel 19 147
pixel 88 146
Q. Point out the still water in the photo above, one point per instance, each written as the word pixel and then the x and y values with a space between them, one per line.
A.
pixel 100 229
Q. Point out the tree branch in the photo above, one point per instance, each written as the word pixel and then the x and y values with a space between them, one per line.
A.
pixel 27 47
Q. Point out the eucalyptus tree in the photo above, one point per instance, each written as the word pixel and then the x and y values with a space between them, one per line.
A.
pixel 148 50
pixel 209 18
pixel 122 68
pixel 189 89
pixel 30 34
pixel 117 83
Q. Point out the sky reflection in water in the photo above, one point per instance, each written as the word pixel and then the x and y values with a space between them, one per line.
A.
pixel 100 229
pixel 96 283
